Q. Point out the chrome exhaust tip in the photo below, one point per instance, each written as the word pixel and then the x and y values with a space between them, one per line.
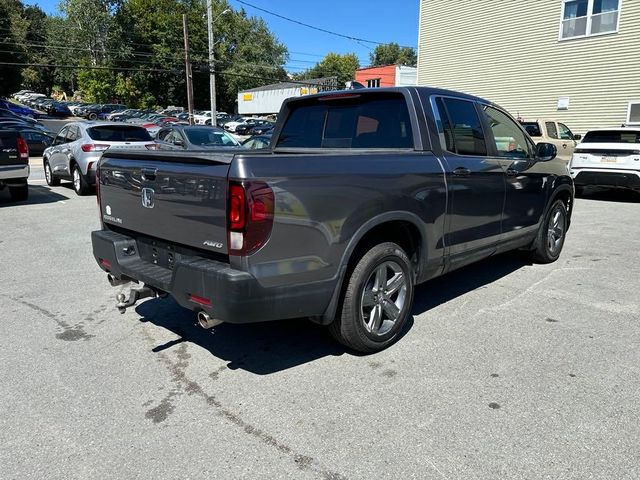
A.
pixel 206 322
pixel 115 282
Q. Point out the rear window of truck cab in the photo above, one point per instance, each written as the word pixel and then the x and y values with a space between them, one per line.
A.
pixel 348 120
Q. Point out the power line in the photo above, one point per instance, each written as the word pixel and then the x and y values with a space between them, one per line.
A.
pixel 349 37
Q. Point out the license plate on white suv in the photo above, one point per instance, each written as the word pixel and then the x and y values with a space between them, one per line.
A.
pixel 608 159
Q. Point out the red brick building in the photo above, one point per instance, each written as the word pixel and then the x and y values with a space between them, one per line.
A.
pixel 387 76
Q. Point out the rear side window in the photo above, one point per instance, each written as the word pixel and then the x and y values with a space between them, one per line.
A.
pixel 552 131
pixel 461 127
pixel 612 136
pixel 354 121
pixel 118 133
pixel 532 128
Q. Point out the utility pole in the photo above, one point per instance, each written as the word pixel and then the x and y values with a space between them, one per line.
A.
pixel 212 75
pixel 187 66
pixel 212 67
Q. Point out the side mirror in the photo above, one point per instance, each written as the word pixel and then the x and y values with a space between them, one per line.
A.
pixel 545 152
pixel 577 137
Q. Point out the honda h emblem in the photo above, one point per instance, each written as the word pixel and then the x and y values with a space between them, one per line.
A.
pixel 147 197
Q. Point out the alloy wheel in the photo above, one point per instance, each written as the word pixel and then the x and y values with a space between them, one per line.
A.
pixel 556 231
pixel 383 298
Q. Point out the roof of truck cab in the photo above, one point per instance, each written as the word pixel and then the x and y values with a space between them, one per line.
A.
pixel 424 90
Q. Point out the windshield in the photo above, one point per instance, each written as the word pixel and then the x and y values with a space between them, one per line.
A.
pixel 612 136
pixel 117 133
pixel 204 137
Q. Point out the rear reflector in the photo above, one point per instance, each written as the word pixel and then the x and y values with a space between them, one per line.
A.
pixel 105 263
pixel 200 300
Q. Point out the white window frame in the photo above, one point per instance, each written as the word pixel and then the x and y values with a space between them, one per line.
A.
pixel 590 15
pixel 375 81
pixel 632 102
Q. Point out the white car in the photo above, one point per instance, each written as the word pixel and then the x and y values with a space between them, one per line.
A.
pixel 609 158
pixel 231 126
pixel 202 118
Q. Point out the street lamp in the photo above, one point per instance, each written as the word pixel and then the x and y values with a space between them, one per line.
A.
pixel 212 75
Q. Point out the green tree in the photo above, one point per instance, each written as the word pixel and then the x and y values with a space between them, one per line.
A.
pixel 333 65
pixel 393 54
pixel 12 49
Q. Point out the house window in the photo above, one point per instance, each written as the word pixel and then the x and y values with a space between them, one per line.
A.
pixel 373 82
pixel 633 114
pixel 584 18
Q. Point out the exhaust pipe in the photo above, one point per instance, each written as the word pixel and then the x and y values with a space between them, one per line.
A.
pixel 206 322
pixel 115 282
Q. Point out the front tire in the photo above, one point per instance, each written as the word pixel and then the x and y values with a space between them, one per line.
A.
pixel 19 193
pixel 52 181
pixel 552 233
pixel 377 301
pixel 80 184
pixel 93 116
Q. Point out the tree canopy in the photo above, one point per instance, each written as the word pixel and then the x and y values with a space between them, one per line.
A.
pixel 393 54
pixel 132 51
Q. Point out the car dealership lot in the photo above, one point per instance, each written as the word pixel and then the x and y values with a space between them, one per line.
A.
pixel 508 370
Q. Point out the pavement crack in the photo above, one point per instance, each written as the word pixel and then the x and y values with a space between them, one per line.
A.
pixel 70 333
pixel 178 375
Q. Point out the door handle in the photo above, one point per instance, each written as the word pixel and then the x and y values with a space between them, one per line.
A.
pixel 462 172
pixel 512 172
pixel 564 145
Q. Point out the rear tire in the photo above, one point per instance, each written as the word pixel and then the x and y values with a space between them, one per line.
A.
pixel 377 301
pixel 80 184
pixel 19 193
pixel 550 240
pixel 93 116
pixel 52 181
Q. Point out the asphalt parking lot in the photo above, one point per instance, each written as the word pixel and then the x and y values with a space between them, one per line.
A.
pixel 508 370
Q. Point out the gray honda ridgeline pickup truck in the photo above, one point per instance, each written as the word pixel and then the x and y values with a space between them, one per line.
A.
pixel 362 195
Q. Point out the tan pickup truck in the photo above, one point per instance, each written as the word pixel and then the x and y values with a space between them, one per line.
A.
pixel 552 131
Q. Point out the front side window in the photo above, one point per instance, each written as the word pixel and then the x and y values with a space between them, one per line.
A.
pixel 510 140
pixel 62 136
pixel 583 18
pixel 565 133
pixel 460 127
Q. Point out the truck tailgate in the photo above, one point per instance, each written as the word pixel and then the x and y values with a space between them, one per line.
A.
pixel 176 197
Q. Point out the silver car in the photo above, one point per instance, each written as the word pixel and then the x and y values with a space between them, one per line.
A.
pixel 78 146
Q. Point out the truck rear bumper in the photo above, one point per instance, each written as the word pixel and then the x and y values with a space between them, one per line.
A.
pixel 14 172
pixel 235 296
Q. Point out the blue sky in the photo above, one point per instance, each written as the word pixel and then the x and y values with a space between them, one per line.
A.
pixel 377 20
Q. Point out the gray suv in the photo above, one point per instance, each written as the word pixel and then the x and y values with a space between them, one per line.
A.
pixel 78 146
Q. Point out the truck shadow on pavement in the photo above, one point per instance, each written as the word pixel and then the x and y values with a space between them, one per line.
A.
pixel 38 195
pixel 260 348
pixel 443 289
pixel 269 347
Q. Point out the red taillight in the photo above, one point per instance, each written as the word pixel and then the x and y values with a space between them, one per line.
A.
pixel 250 216
pixel 200 300
pixel 93 147
pixel 23 148
pixel 105 263
pixel 236 207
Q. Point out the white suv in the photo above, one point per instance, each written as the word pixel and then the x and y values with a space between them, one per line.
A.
pixel 608 158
